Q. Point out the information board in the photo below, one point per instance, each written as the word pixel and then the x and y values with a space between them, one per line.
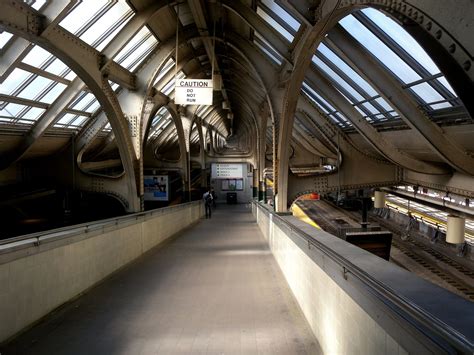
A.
pixel 156 187
pixel 193 92
pixel 226 171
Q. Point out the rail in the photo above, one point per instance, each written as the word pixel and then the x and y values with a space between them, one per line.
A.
pixel 38 238
pixel 408 310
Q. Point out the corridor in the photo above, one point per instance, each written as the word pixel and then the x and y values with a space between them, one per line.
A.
pixel 214 289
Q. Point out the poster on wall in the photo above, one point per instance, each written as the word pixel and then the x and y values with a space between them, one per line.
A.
pixel 156 187
pixel 226 171
pixel 231 184
pixel 225 185
pixel 239 184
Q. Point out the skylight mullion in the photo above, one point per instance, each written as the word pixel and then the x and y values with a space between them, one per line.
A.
pixel 78 112
pixel 43 73
pixel 22 101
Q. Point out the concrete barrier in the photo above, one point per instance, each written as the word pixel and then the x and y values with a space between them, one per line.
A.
pixel 40 272
pixel 357 303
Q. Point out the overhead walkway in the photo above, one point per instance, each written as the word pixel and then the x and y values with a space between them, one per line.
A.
pixel 214 289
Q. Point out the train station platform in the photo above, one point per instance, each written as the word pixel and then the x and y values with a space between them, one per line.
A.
pixel 214 288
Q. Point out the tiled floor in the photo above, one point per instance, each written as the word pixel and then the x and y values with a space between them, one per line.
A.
pixel 215 289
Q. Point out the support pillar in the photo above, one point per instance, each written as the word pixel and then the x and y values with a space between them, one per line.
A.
pixel 262 191
pixel 455 230
pixel 255 184
pixel 379 199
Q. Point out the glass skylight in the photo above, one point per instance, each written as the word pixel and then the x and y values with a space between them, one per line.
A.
pixel 403 39
pixel 97 22
pixel 137 49
pixel 166 68
pixel 282 14
pixel 275 24
pixel 379 49
pixel 267 48
pixel 5 38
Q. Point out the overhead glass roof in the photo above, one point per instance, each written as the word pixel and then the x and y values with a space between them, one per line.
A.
pixel 399 54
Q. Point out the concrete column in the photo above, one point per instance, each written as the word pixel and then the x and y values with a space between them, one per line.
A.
pixel 255 183
pixel 455 230
pixel 379 199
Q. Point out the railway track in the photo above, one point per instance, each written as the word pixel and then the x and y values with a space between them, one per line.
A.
pixel 409 254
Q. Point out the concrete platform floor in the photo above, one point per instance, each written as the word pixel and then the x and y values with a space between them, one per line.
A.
pixel 215 289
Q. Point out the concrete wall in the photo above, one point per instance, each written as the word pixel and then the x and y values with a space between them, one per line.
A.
pixel 35 279
pixel 346 315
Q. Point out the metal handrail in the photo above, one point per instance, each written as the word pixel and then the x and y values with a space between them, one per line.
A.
pixel 383 292
pixel 87 227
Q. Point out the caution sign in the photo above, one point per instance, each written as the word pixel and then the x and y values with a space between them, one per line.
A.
pixel 193 92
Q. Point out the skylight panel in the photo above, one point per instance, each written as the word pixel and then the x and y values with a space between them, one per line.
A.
pixel 4 38
pixel 37 57
pixel 344 67
pixel 349 89
pixel 38 4
pixel 273 55
pixel 35 88
pixel 166 68
pixel 65 120
pixel 283 14
pixel 403 38
pixel 168 88
pixel 14 80
pixel 275 24
pixel 32 115
pixel 53 94
pixel 82 14
pixel 88 103
pixel 445 83
pixel 57 67
pixel 107 127
pixel 375 46
pixel 384 104
pixel 319 97
pixel 100 33
pixel 26 114
pixel 426 92
pixel 136 50
pixel 371 108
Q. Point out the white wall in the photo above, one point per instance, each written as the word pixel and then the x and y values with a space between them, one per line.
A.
pixel 242 196
pixel 37 279
pixel 344 315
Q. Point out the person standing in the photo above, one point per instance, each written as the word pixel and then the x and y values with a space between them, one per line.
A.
pixel 207 197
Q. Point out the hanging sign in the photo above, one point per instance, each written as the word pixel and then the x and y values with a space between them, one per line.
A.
pixel 226 171
pixel 193 92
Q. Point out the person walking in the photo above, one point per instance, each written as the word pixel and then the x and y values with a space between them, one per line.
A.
pixel 214 197
pixel 207 197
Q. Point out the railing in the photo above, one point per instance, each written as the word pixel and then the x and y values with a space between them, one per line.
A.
pixel 432 327
pixel 38 238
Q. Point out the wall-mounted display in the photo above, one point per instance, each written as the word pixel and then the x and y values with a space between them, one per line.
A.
pixel 232 185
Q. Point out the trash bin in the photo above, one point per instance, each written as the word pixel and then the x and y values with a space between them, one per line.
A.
pixel 231 198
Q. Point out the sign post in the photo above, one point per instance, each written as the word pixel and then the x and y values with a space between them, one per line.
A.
pixel 193 92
